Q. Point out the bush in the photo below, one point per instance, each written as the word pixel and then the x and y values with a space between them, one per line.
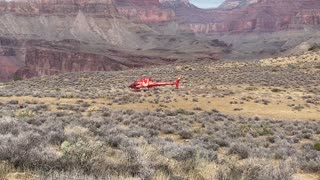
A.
pixel 184 134
pixel 239 149
pixel 13 102
pixel 260 169
pixel 17 78
pixel 26 150
pixel 115 141
pixel 276 90
pixel 317 146
pixel 180 153
pixel 168 129
pixel 309 161
pixel 81 154
pixel 25 113
pixel 8 125
pixel 221 142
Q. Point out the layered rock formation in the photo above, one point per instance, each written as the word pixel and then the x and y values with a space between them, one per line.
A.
pixel 238 16
pixel 233 16
pixel 49 61
pixel 44 37
pixel 32 7
pixel 232 4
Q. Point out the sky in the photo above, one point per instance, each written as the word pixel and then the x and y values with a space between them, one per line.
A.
pixel 206 3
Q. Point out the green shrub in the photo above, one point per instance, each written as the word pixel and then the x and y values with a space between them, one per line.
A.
pixel 17 78
pixel 276 90
pixel 317 146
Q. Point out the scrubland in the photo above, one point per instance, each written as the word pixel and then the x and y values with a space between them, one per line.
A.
pixel 228 120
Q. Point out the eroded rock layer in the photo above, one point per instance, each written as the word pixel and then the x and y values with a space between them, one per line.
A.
pixel 44 37
pixel 257 16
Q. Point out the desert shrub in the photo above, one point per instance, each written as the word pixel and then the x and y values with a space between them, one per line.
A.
pixel 264 130
pixel 283 170
pixel 180 153
pixel 309 161
pixel 171 113
pixel 239 149
pixel 17 78
pixel 184 112
pixel 81 154
pixel 206 142
pixel 25 113
pixel 56 137
pixel 197 108
pixel 306 135
pixel 135 133
pixel 317 146
pixel 284 152
pixel 257 169
pixel 13 102
pixel 195 100
pixel 8 125
pixel 207 155
pixel 27 150
pixel 221 142
pixel 115 141
pixel 168 129
pixel 184 134
pixel 227 172
pixel 276 90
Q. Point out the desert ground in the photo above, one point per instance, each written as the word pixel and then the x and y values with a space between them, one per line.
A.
pixel 228 120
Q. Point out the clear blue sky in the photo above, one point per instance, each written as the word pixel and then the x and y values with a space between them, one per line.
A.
pixel 206 3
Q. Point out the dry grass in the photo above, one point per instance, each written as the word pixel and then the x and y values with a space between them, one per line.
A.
pixel 277 108
pixel 306 176
pixel 291 60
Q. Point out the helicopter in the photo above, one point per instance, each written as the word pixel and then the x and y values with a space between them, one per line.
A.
pixel 144 83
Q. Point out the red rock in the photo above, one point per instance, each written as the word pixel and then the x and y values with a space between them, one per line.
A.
pixel 150 15
pixel 32 7
pixel 44 57
pixel 261 16
pixel 48 61
pixel 144 11
pixel 8 66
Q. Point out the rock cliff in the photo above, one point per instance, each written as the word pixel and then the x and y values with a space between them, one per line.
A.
pixel 44 37
pixel 238 16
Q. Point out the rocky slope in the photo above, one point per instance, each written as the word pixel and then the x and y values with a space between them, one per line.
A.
pixel 44 37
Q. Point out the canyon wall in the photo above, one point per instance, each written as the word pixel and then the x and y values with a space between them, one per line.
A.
pixel 44 37
pixel 242 16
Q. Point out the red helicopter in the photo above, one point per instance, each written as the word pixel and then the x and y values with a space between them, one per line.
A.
pixel 148 83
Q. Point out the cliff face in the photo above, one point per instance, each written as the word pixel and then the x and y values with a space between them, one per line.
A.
pixel 144 11
pixel 238 16
pixel 46 61
pixel 32 7
pixel 232 16
pixel 9 53
pixel 44 37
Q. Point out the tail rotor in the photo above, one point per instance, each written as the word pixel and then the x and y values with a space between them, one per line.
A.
pixel 178 82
